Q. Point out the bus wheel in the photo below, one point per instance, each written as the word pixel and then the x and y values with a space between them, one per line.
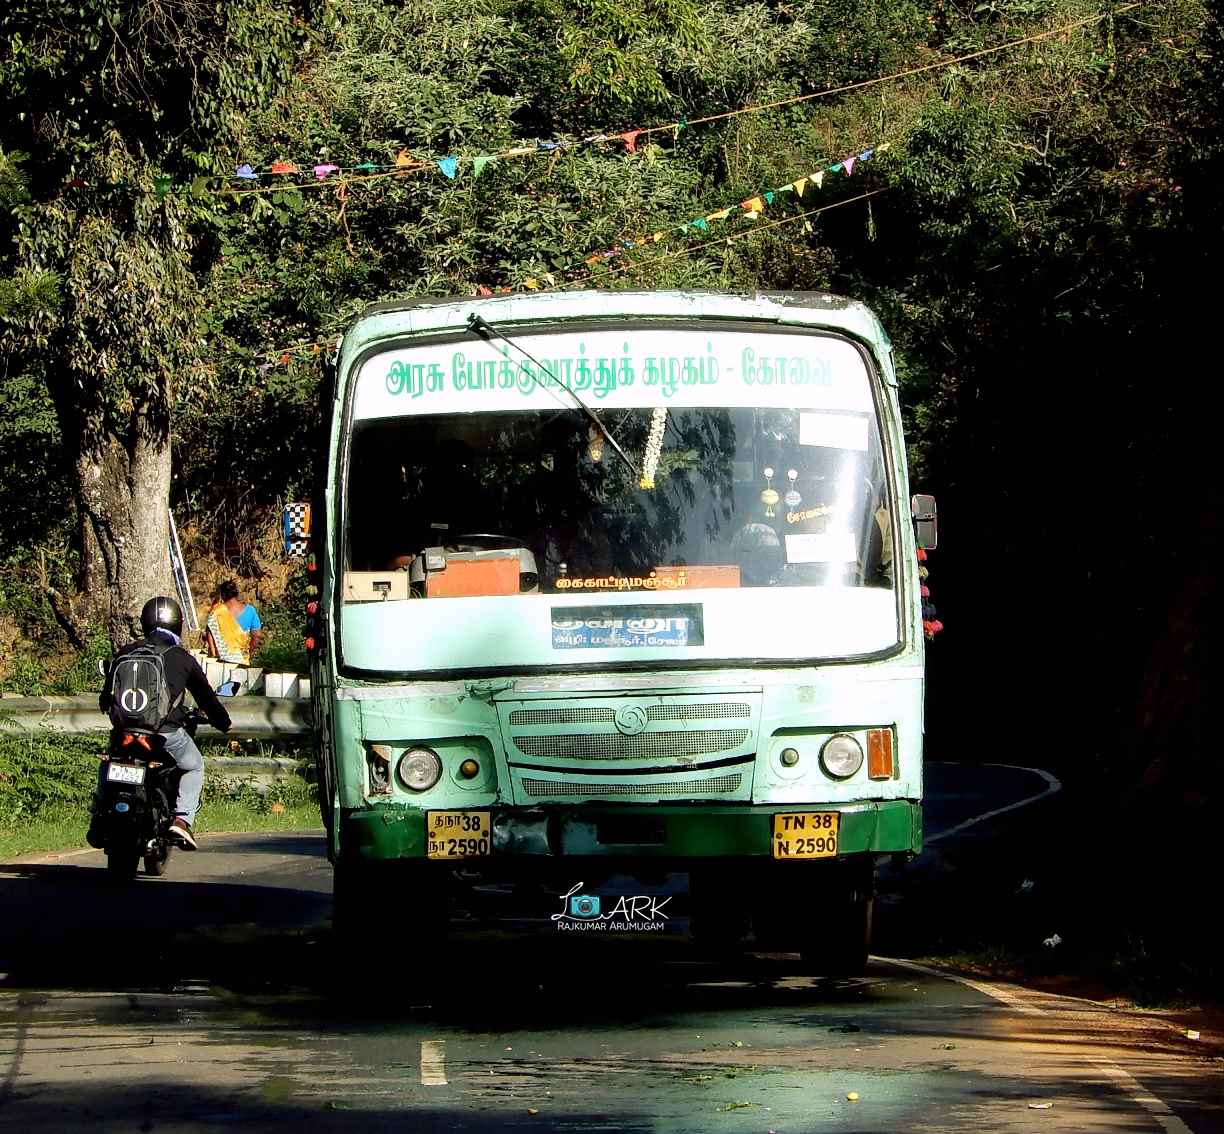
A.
pixel 374 902
pixel 718 912
pixel 839 947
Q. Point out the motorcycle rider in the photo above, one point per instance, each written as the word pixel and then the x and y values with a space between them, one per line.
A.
pixel 162 622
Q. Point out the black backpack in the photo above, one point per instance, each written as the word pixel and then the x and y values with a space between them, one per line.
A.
pixel 140 693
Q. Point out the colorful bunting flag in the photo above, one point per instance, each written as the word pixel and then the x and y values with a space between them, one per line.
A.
pixel 449 166
pixel 482 290
pixel 403 161
pixel 769 197
pixel 366 167
pixel 799 186
pixel 478 164
pixel 245 172
pixel 866 155
pixel 531 283
pixel 817 178
pixel 283 167
pixel 321 171
pixel 630 137
pixel 702 224
pixel 848 165
pixel 722 214
pixel 753 205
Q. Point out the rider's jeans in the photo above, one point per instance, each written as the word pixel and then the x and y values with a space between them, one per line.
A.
pixel 187 756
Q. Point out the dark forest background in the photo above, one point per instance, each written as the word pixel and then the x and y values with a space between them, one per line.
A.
pixel 1044 254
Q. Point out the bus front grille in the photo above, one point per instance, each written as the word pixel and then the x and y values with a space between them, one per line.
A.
pixel 605 714
pixel 644 746
pixel 715 785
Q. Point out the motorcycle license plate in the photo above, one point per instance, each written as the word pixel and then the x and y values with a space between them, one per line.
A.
pixel 125 773
pixel 457 834
pixel 806 834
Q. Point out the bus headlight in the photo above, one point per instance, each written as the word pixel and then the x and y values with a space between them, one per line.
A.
pixel 420 769
pixel 841 756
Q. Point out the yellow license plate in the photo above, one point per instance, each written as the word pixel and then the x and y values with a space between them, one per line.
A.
pixel 805 834
pixel 457 834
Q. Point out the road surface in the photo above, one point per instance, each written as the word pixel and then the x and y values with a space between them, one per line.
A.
pixel 212 999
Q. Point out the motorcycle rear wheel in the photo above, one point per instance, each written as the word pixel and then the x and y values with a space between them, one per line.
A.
pixel 122 863
pixel 156 861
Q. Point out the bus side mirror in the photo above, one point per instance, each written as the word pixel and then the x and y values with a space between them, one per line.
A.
pixel 926 522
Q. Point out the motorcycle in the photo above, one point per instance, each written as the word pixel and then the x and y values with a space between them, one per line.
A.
pixel 136 798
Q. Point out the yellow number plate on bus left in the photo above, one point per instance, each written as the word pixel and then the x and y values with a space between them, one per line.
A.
pixel 805 834
pixel 457 834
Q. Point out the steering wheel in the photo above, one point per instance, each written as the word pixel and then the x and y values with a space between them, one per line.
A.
pixel 484 541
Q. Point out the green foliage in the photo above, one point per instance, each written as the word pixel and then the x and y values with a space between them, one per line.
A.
pixel 40 772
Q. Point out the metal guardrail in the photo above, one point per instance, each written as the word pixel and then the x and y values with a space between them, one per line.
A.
pixel 252 716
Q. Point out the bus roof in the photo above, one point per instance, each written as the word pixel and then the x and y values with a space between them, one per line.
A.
pixel 396 318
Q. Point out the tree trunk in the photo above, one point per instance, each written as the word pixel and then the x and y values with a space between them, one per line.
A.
pixel 123 486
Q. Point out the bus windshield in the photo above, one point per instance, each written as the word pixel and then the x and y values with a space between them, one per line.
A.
pixel 753 525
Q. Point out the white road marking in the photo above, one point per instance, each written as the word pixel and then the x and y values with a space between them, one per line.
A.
pixel 1052 785
pixel 433 1063
pixel 1003 995
pixel 1157 1108
pixel 1140 1094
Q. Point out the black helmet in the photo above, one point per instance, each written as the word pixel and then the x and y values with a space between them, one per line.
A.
pixel 161 613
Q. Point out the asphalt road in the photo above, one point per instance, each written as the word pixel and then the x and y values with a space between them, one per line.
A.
pixel 213 999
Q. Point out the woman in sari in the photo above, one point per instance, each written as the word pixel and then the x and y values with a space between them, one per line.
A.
pixel 233 627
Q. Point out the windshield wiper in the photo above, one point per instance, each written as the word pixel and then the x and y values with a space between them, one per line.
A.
pixel 481 325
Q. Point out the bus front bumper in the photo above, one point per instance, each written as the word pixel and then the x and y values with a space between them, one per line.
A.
pixel 390 831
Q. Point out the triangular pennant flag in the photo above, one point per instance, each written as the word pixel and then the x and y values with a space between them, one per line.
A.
pixel 800 185
pixel 245 172
pixel 702 224
pixel 403 161
pixel 593 259
pixel 366 167
pixel 817 178
pixel 783 189
pixel 866 155
pixel 722 214
pixel 848 165
pixel 752 214
pixel 882 147
pixel 630 137
pixel 283 167
pixel 482 290
pixel 549 279
pixel 478 164
pixel 449 166
pixel 161 185
pixel 657 236
pixel 531 283
pixel 753 205
pixel 769 197
pixel 321 171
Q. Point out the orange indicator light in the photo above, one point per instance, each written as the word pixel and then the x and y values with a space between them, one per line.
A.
pixel 880 754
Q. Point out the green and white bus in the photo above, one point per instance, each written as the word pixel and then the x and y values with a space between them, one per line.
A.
pixel 620 581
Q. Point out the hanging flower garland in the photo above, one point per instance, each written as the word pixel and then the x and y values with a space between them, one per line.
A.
pixel 930 617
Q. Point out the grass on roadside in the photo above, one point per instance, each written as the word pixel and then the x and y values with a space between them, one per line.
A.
pixel 63 827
